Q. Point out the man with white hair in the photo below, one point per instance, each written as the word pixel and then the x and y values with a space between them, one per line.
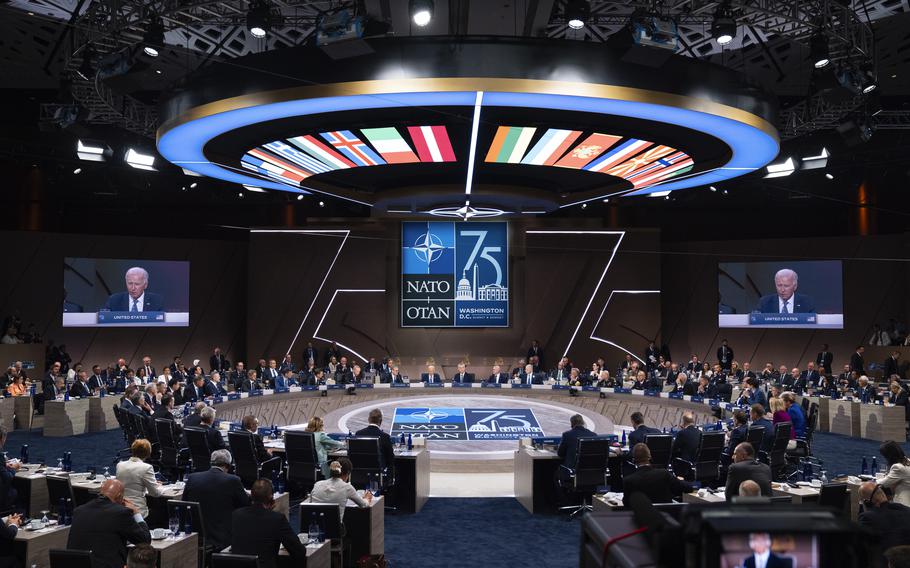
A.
pixel 219 494
pixel 786 300
pixel 135 299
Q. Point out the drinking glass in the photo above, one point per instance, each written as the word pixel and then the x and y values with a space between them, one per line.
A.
pixel 174 526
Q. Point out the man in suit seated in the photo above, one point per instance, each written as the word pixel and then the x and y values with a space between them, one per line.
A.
pixel 761 556
pixel 386 450
pixel 251 424
pixel 285 379
pixel 561 372
pixel 165 411
pixel 497 377
pixel 739 432
pixel 194 392
pixel 80 386
pixel 890 521
pixel 219 494
pixel 640 432
pixel 687 440
pixel 431 376
pixel 744 467
pixel 463 376
pixel 810 376
pixel 343 372
pixel 865 391
pixel 213 436
pixel 259 531
pixel 105 525
pixel 135 299
pixel 757 414
pixel 529 377
pixel 569 442
pixel 395 377
pixel 787 300
pixel 251 383
pixel 659 485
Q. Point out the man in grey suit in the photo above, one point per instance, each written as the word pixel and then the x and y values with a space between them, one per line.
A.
pixel 744 467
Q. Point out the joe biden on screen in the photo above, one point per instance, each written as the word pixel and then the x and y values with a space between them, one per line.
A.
pixel 786 300
pixel 135 299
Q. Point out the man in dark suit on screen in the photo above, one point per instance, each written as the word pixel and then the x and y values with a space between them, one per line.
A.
pixel 786 300
pixel 136 298
pixel 762 557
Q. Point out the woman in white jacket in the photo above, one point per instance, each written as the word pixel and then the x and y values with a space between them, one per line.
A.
pixel 138 477
pixel 898 477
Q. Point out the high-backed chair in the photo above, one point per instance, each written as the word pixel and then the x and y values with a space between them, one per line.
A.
pixel 246 462
pixel 192 511
pixel 834 495
pixel 660 446
pixel 706 467
pixel 366 458
pixel 200 453
pixel 60 558
pixel 302 461
pixel 589 472
pixel 755 435
pixel 173 457
pixel 776 457
pixel 59 487
pixel 329 516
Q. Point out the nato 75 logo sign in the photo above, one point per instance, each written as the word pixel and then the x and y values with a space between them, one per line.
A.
pixel 454 274
pixel 445 423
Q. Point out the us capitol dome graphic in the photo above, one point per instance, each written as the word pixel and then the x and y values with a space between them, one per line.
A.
pixel 468 291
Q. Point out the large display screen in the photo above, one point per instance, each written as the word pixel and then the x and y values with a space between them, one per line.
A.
pixel 115 292
pixel 797 294
pixel 454 274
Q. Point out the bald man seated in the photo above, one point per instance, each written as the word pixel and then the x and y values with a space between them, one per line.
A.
pixel 890 521
pixel 106 525
pixel 749 488
pixel 136 298
pixel 746 467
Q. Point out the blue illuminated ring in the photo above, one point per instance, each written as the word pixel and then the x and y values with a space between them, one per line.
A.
pixel 753 142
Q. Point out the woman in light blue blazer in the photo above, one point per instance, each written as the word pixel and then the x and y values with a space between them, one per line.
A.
pixel 323 444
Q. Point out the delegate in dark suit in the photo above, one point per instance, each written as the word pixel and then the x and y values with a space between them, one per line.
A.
pixel 858 363
pixel 7 546
pixel 659 485
pixel 768 437
pixel 638 435
pixel 498 379
pixel 799 304
pixel 386 450
pixel 890 521
pixel 825 359
pixel 430 378
pixel 79 389
pixel 737 436
pixel 105 528
pixel 162 413
pixel 259 532
pixel 756 471
pixel 685 445
pixel 569 443
pixel 219 494
pixel 774 561
pixel 121 302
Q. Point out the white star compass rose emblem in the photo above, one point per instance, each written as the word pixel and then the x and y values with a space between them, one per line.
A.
pixel 428 247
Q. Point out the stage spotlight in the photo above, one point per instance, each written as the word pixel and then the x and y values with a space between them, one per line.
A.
pixel 154 37
pixel 782 169
pixel 77 171
pixel 300 197
pixel 659 194
pixel 584 205
pixel 818 51
pixel 829 176
pixel 607 200
pixel 723 28
pixel 712 188
pixel 816 162
pixel 193 185
pixel 240 195
pixel 92 151
pixel 322 203
pixel 577 13
pixel 259 19
pixel 254 189
pixel 421 12
pixel 139 160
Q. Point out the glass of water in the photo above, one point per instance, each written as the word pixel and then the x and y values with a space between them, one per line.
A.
pixel 174 526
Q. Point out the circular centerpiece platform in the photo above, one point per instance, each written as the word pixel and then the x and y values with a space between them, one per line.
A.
pixel 476 434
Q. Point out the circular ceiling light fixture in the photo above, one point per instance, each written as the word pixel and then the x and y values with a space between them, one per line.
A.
pixel 577 13
pixel 723 28
pixel 818 51
pixel 421 12
pixel 259 19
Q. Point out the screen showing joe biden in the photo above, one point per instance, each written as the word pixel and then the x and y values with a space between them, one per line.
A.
pixel 794 294
pixel 133 293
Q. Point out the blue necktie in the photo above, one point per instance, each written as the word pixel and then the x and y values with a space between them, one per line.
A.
pixel 134 308
pixel 785 310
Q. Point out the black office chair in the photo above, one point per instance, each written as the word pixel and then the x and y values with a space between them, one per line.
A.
pixel 589 472
pixel 330 516
pixel 776 457
pixel 173 458
pixel 805 404
pixel 660 446
pixel 366 458
pixel 139 424
pixel 303 469
pixel 834 495
pixel 59 488
pixel 70 558
pixel 198 442
pixel 234 561
pixel 803 448
pixel 246 462
pixel 706 467
pixel 193 511
pixel 125 426
pixel 755 435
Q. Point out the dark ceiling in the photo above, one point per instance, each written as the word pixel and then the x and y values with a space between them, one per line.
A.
pixel 38 53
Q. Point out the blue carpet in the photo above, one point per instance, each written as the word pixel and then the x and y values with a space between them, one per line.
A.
pixel 464 532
